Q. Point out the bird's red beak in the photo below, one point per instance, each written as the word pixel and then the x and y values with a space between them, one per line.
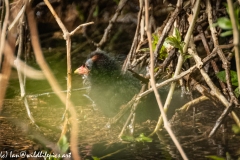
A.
pixel 83 70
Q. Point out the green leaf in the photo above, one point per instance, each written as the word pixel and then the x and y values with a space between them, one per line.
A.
pixel 96 12
pixel 128 138
pixel 236 129
pixel 178 35
pixel 222 76
pixel 215 157
pixel 63 144
pixel 140 138
pixel 172 41
pixel 145 50
pixel 224 23
pixel 236 11
pixel 226 33
pixel 95 158
pixel 175 41
pixel 185 57
pixel 163 53
pixel 234 78
pixel 237 92
pixel 143 138
pixel 155 38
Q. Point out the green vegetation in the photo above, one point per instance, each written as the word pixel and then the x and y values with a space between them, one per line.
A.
pixel 140 138
pixel 234 80
pixel 226 24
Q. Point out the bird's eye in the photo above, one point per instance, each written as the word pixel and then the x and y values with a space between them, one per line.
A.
pixel 88 67
pixel 89 64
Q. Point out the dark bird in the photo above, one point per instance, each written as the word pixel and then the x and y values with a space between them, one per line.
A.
pixel 110 89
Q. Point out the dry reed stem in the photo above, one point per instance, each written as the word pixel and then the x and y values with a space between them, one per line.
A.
pixel 53 82
pixel 153 84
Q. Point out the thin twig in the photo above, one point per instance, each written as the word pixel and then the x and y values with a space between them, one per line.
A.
pixel 24 68
pixel 5 70
pixel 20 13
pixel 135 39
pixel 192 103
pixel 53 82
pixel 153 84
pixel 214 89
pixel 80 26
pixel 180 61
pixel 4 29
pixel 213 63
pixel 216 45
pixel 166 30
pixel 134 100
pixel 235 38
pixel 220 120
pixel 67 37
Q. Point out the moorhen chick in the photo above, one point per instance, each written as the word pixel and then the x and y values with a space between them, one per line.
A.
pixel 110 89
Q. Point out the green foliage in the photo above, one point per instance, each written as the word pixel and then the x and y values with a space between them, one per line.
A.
pixel 222 76
pixel 96 12
pixel 140 138
pixel 95 158
pixel 237 92
pixel 228 157
pixel 215 157
pixel 143 138
pixel 63 144
pixel 52 158
pixel 154 41
pixel 186 57
pixel 128 138
pixel 226 24
pixel 236 129
pixel 236 12
pixel 234 80
pixel 163 50
pixel 163 53
pixel 176 41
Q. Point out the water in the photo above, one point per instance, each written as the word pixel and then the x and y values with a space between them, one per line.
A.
pixel 95 139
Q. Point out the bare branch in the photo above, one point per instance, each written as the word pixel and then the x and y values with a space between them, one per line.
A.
pixel 4 29
pixel 114 18
pixel 153 84
pixel 53 82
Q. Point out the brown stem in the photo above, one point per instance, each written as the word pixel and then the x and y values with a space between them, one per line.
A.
pixel 52 81
pixel 214 65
